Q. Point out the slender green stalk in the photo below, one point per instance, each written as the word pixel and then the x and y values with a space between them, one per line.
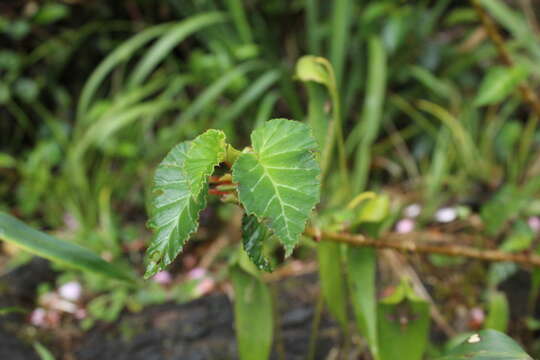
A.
pixel 312 15
pixel 366 131
pixel 238 14
pixel 341 20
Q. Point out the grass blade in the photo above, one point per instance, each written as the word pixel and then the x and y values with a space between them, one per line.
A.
pixel 342 14
pixel 169 41
pixel 366 131
pixel 36 242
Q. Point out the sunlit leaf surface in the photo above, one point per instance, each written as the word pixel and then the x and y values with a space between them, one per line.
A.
pixel 279 179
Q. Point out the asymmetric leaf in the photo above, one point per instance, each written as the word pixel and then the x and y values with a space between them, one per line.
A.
pixel 253 236
pixel 205 152
pixel 278 181
pixel 174 210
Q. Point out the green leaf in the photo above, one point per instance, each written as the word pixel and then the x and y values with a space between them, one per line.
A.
pixel 505 204
pixel 498 313
pixel 487 345
pixel 43 352
pixel 174 211
pixel 252 316
pixel 332 280
pixel 36 242
pixel 253 236
pixel 205 153
pixel 361 266
pixel 403 325
pixel 278 181
pixel 375 210
pixel 50 13
pixel 313 68
pixel 499 83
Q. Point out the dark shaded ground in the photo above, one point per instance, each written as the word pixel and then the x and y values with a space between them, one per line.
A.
pixel 202 329
pixel 18 288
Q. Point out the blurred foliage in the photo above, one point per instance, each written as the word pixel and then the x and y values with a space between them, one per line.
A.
pixel 94 94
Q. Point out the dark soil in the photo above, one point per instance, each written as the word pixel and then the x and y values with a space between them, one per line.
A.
pixel 201 329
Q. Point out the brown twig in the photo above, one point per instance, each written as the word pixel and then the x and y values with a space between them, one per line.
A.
pixel 493 32
pixel 431 244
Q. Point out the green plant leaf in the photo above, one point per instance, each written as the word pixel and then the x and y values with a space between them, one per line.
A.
pixel 43 352
pixel 361 266
pixel 254 235
pixel 332 280
pixel 174 211
pixel 252 316
pixel 205 153
pixel 487 345
pixel 499 83
pixel 498 313
pixel 506 204
pixel 36 242
pixel 403 325
pixel 313 68
pixel 278 181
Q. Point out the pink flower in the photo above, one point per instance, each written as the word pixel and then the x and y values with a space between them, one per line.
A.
pixel 446 215
pixel 70 291
pixel 37 317
pixel 412 211
pixel 205 286
pixel 163 277
pixel 196 273
pixel 404 226
pixel 534 223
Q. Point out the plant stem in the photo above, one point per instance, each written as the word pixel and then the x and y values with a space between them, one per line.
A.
pixel 405 242
pixel 338 128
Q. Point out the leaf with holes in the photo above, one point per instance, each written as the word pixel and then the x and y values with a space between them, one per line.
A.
pixel 279 179
pixel 205 153
pixel 174 210
pixel 253 236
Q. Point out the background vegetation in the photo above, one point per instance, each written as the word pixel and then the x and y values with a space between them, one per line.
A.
pixel 436 101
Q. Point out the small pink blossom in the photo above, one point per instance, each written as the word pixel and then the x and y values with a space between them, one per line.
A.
pixel 404 226
pixel 446 215
pixel 80 314
pixel 412 211
pixel 534 223
pixel 196 273
pixel 163 277
pixel 70 291
pixel 38 317
pixel 205 286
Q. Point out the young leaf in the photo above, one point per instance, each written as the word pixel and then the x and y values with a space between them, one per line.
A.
pixel 499 83
pixel 487 345
pixel 278 181
pixel 205 152
pixel 313 68
pixel 174 211
pixel 252 316
pixel 403 325
pixel 253 236
pixel 36 242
